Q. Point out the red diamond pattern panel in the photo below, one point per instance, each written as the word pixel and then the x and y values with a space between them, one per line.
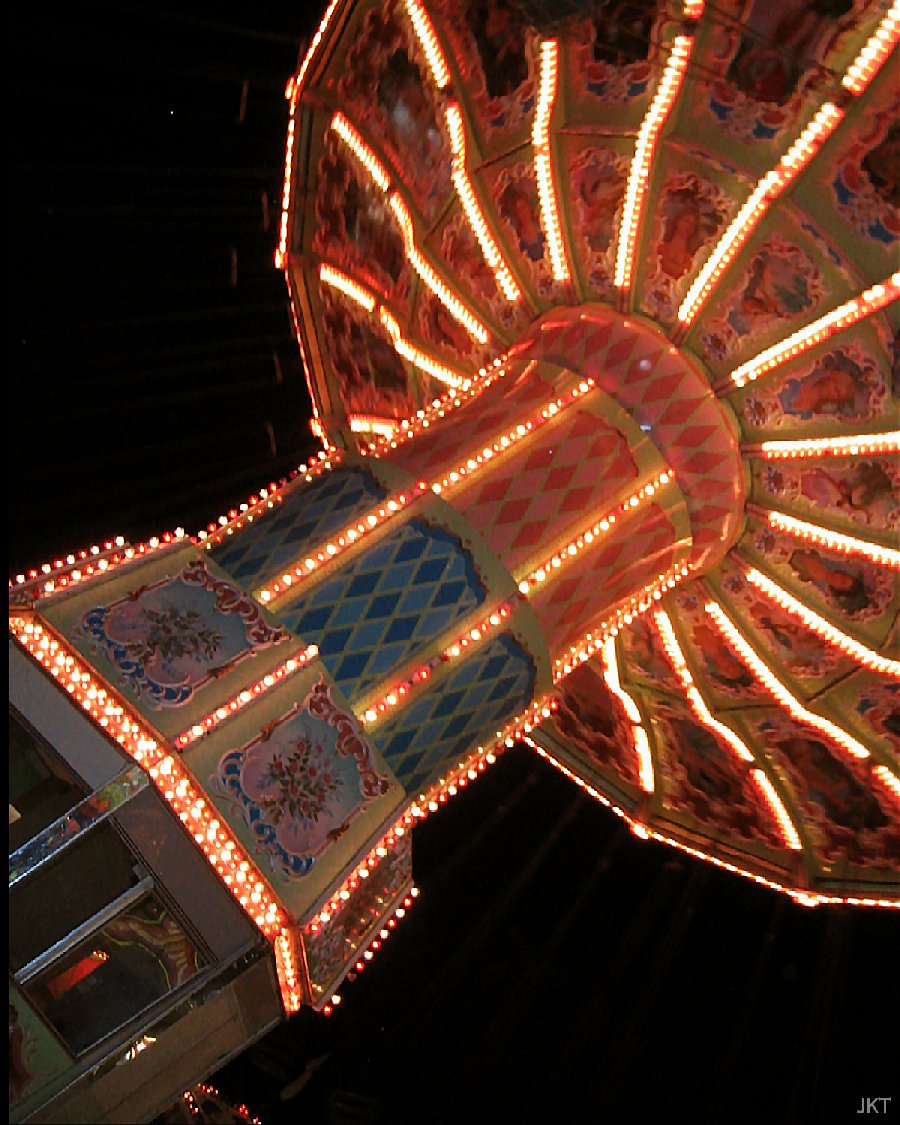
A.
pixel 672 401
pixel 439 448
pixel 634 554
pixel 559 480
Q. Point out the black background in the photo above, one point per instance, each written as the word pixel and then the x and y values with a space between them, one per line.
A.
pixel 555 968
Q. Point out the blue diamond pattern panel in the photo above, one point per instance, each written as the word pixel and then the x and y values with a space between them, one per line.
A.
pixel 385 603
pixel 307 517
pixel 483 692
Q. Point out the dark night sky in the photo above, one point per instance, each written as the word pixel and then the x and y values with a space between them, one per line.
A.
pixel 555 968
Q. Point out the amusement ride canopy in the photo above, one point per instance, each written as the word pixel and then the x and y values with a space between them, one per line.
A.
pixel 596 307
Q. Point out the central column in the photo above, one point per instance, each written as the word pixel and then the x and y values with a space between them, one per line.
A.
pixel 445 580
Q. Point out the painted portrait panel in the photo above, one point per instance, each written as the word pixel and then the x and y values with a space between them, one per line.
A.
pixel 865 490
pixel 770 59
pixel 847 585
pixel 702 778
pixel 782 284
pixel 496 52
pixel 402 116
pixel 372 378
pixel 689 215
pixel 866 181
pixel 847 384
pixel 850 820
pixel 594 724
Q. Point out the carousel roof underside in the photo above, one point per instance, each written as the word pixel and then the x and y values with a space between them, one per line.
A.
pixel 726 176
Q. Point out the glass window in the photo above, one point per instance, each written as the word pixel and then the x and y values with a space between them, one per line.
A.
pixel 132 961
pixel 41 787
pixel 67 892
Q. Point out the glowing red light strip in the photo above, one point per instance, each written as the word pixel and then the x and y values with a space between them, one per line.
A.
pixel 302 569
pixel 372 424
pixel 177 787
pixel 417 357
pixel 401 693
pixel 472 207
pixel 410 428
pixel 84 565
pixel 315 43
pixel 570 774
pixel 427 36
pixel 280 253
pixel 839 319
pixel 593 641
pixel 770 795
pixel 676 657
pixel 361 296
pixel 280 586
pixel 347 285
pixel 477 460
pixel 503 442
pixel 801 897
pixel 267 501
pixel 246 695
pixel 645 145
pixel 757 203
pixel 854 445
pixel 876 50
pixel 738 747
pixel 369 948
pixel 888 779
pixel 767 679
pixel 543 160
pixel 353 139
pixel 593 532
pixel 379 176
pixel 448 298
pixel 453 781
pixel 822 628
pixel 639 739
pixel 326 912
pixel 824 537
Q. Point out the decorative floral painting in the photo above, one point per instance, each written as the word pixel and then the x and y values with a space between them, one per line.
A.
pixel 300 782
pixel 846 383
pixel 168 639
